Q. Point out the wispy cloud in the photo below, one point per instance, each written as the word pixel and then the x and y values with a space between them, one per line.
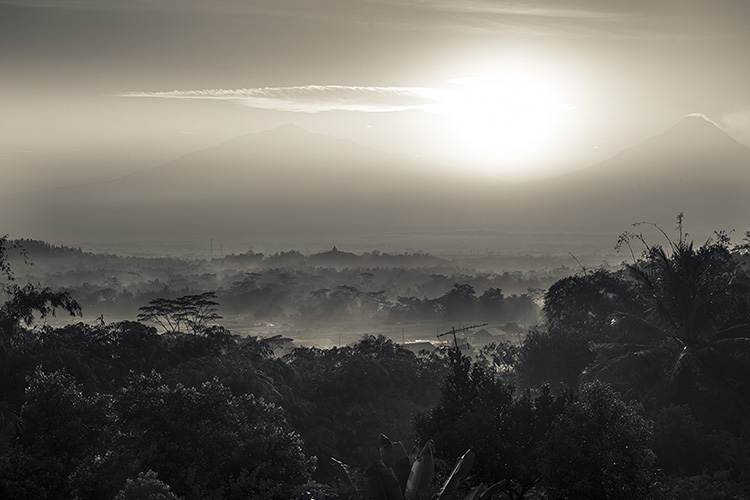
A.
pixel 543 8
pixel 530 16
pixel 461 96
pixel 317 98
pixel 405 14
pixel 737 124
pixel 703 116
pixel 578 18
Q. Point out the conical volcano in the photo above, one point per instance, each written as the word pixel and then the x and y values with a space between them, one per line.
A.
pixel 693 167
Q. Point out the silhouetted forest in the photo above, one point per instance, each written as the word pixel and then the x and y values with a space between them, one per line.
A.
pixel 633 383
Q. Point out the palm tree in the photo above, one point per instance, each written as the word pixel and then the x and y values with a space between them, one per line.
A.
pixel 692 344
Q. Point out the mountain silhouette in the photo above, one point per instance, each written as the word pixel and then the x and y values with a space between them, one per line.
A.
pixel 695 149
pixel 282 181
pixel 288 181
pixel 693 167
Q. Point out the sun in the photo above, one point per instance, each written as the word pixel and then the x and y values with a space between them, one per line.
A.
pixel 503 124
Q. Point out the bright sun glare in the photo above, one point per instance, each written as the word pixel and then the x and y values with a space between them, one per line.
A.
pixel 504 124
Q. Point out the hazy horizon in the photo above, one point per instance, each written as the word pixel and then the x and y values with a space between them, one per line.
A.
pixel 260 248
pixel 95 90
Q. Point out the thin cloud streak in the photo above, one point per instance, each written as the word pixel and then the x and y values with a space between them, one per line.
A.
pixel 430 15
pixel 516 9
pixel 540 18
pixel 318 98
pixel 290 6
pixel 323 98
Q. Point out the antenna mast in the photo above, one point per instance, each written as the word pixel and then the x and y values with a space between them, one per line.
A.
pixel 454 331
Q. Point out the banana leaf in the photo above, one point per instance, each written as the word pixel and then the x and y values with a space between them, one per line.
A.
pixel 413 454
pixel 346 485
pixel 386 450
pixel 358 478
pixel 381 483
pixel 476 492
pixel 487 493
pixel 420 477
pixel 460 471
pixel 401 464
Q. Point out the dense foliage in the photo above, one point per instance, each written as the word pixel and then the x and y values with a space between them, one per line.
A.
pixel 503 426
pixel 598 449
pixel 634 385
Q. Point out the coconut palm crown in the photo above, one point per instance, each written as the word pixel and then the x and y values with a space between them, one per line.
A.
pixel 691 345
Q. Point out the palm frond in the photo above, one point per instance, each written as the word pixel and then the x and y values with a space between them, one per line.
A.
pixel 737 348
pixel 733 332
pixel 635 327
pixel 636 370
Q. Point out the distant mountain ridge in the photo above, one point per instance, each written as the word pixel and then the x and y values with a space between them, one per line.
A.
pixel 291 160
pixel 286 180
pixel 290 181
pixel 693 167
pixel 681 148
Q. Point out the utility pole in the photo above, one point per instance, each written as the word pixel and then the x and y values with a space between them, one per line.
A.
pixel 454 331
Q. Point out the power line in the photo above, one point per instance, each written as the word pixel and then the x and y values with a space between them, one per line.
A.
pixel 454 331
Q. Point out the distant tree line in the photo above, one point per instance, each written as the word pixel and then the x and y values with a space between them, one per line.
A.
pixel 288 286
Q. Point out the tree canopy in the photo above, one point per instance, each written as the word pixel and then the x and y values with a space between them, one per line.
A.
pixel 193 312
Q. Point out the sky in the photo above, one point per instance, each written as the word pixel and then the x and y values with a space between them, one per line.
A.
pixel 94 89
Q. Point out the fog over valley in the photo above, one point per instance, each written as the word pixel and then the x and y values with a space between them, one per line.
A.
pixel 289 182
pixel 374 249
